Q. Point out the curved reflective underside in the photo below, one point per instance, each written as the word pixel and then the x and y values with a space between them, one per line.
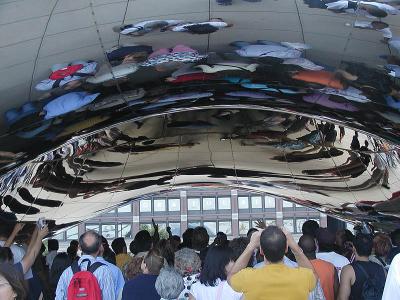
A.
pixel 106 101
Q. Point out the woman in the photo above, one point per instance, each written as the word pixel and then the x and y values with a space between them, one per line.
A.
pixel 187 263
pixel 213 276
pixel 382 247
pixel 169 284
pixel 12 284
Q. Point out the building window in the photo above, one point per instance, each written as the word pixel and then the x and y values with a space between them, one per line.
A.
pixel 244 226
pixel 95 227
pixel 146 226
pixel 174 204
pixel 72 233
pixel 159 205
pixel 270 222
pixel 193 203
pixel 145 205
pixel 243 202
pixel 175 228
pixel 299 225
pixel 108 231
pixel 125 230
pixel 208 203
pixel 256 202
pixel 125 209
pixel 211 227
pixel 194 224
pixel 59 237
pixel 287 204
pixel 225 227
pixel 224 202
pixel 269 202
pixel 289 225
pixel 111 211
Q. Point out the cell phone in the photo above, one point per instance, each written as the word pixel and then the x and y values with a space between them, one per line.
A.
pixel 41 223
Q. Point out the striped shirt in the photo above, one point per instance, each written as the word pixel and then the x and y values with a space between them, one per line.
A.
pixel 102 274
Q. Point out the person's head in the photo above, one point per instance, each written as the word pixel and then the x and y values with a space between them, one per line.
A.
pixel 307 244
pixel 187 237
pixel 5 230
pixel 175 241
pixel 382 245
pixel 395 236
pixel 343 236
pixel 221 239
pixel 273 244
pixel 152 262
pixel 72 252
pixel 310 227
pixel 6 255
pixel 169 284
pixel 326 240
pixel 167 251
pixel 201 28
pixel 74 244
pixel 250 232
pixel 119 246
pixel 200 238
pixel 238 245
pixel 363 244
pixel 60 263
pixel 187 262
pixel 217 265
pixel 52 245
pixel 12 283
pixel 132 268
pixel 142 242
pixel 106 252
pixel 90 243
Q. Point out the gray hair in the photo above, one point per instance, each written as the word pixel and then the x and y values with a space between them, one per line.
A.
pixel 169 283
pixel 187 262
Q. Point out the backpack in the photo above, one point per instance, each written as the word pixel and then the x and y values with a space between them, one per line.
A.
pixel 70 70
pixel 83 284
pixel 371 289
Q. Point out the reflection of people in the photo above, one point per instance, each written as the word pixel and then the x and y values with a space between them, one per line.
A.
pixel 144 27
pixel 201 27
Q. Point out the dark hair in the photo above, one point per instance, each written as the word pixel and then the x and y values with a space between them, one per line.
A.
pixel 250 232
pixel 61 262
pixel 108 254
pixel 74 243
pixel 238 245
pixel 91 248
pixel 6 229
pixel 363 244
pixel 141 243
pixel 221 239
pixel 310 227
pixel 15 279
pixel 52 245
pixel 307 244
pixel 395 236
pixel 200 238
pixel 154 261
pixel 72 252
pixel 6 255
pixel 118 245
pixel 167 251
pixel 201 28
pixel 214 265
pixel 187 238
pixel 273 243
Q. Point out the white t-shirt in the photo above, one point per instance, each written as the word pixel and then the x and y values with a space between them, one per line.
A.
pixel 392 286
pixel 222 289
pixel 339 261
pixel 18 253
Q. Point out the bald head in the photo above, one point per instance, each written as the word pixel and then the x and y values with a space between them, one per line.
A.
pixel 307 244
pixel 90 243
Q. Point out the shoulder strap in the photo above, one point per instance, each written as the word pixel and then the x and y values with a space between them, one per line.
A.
pixel 95 266
pixel 75 267
pixel 381 260
pixel 362 269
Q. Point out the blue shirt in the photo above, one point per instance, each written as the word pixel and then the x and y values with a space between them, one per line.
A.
pixel 116 274
pixel 141 287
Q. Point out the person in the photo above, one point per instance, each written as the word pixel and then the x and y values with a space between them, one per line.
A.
pixel 132 268
pixel 187 239
pixel 238 245
pixel 381 249
pixel 141 243
pixel 326 245
pixel 344 243
pixel 143 286
pixel 392 285
pixel 52 247
pixel 72 253
pixel 188 264
pixel 90 243
pixel 61 262
pixel 274 279
pixel 326 271
pixel 310 227
pixel 12 284
pixel 395 236
pixel 121 252
pixel 212 282
pixel 108 254
pixel 169 284
pixel 200 241
pixel 221 239
pixel 355 275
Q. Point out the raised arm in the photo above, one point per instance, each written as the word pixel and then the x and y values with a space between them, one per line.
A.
pixel 17 228
pixel 34 248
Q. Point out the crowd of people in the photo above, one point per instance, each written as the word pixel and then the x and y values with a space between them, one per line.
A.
pixel 266 264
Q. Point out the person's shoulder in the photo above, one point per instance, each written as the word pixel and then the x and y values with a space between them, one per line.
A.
pixel 325 263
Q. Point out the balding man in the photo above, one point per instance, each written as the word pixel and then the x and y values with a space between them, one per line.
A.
pixel 90 244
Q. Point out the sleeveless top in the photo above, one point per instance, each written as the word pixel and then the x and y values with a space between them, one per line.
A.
pixel 374 271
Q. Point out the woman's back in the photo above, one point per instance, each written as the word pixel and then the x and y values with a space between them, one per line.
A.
pixel 221 291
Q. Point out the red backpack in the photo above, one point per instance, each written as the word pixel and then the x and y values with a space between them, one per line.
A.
pixel 64 72
pixel 84 285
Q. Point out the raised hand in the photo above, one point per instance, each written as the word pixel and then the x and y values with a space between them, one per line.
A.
pixel 260 223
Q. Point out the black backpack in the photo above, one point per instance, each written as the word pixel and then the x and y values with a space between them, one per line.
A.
pixel 372 289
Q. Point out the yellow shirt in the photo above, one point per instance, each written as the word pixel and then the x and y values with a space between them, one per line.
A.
pixel 274 282
pixel 122 259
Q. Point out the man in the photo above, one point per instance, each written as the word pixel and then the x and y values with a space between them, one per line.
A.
pixel 275 279
pixel 310 227
pixel 354 276
pixel 90 243
pixel 326 245
pixel 395 236
pixel 121 252
pixel 200 241
pixel 52 246
pixel 326 271
pixel 116 273
pixel 392 286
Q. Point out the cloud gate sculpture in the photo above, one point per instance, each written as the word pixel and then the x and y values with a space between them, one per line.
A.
pixel 105 101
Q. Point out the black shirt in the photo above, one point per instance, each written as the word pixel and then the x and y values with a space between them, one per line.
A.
pixel 373 270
